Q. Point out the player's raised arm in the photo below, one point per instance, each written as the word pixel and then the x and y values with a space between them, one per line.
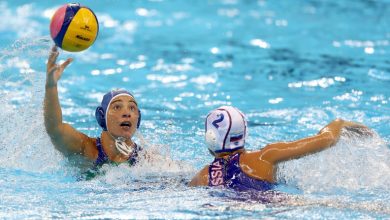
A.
pixel 64 137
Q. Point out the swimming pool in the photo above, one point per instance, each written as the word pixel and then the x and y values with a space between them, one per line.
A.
pixel 290 66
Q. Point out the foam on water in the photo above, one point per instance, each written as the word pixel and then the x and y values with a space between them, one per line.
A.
pixel 156 166
pixel 354 164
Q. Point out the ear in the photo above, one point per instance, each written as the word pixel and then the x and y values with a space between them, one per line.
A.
pixel 139 118
pixel 100 117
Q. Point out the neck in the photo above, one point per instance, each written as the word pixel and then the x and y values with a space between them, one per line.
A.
pixel 226 154
pixel 113 138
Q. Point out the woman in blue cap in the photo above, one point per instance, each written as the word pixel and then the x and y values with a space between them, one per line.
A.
pixel 234 167
pixel 118 115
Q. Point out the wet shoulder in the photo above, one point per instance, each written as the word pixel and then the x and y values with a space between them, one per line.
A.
pixel 91 151
pixel 251 156
pixel 201 178
pixel 254 166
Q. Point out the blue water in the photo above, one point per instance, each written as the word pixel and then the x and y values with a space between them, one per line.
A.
pixel 290 66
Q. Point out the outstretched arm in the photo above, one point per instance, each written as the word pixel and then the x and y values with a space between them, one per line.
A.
pixel 328 136
pixel 64 137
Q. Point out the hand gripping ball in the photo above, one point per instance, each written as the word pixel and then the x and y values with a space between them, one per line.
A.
pixel 73 27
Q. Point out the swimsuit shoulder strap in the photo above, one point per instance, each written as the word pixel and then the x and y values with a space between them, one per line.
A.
pixel 218 169
pixel 102 156
pixel 234 158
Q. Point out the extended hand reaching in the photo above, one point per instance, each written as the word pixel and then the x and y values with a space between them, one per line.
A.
pixel 54 70
pixel 357 128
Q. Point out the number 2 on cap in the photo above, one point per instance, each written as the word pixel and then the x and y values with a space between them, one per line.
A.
pixel 216 121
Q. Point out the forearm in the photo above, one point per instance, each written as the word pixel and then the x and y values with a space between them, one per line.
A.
pixel 283 151
pixel 52 109
pixel 327 137
pixel 334 129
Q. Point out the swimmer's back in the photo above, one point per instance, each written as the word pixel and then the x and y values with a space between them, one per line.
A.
pixel 247 165
pixel 238 179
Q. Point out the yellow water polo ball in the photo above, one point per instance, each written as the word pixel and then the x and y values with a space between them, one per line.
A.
pixel 74 27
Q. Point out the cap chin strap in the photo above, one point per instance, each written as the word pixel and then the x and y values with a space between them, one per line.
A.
pixel 121 146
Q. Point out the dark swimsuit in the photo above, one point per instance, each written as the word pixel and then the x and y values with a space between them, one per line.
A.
pixel 103 158
pixel 228 173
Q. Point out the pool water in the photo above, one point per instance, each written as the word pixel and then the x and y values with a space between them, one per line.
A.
pixel 291 67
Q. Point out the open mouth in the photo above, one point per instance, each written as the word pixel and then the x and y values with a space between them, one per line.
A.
pixel 125 124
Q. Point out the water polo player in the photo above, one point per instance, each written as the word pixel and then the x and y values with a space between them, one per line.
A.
pixel 118 115
pixel 236 168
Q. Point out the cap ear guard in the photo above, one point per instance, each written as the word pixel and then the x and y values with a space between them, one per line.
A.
pixel 100 117
pixel 211 140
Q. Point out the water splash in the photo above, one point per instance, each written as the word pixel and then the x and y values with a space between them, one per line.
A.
pixel 155 168
pixel 24 143
pixel 32 48
pixel 356 164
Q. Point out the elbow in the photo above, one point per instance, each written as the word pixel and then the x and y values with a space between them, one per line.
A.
pixel 50 129
pixel 53 131
pixel 335 124
pixel 333 127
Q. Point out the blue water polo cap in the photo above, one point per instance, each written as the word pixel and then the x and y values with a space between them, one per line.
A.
pixel 101 110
